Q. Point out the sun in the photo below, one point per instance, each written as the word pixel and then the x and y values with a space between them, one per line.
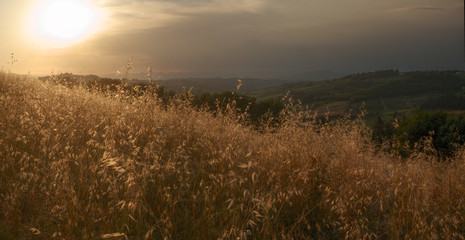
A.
pixel 64 21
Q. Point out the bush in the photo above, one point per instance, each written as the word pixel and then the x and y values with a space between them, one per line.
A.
pixel 447 132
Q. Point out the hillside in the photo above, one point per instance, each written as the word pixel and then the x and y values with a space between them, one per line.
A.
pixel 82 164
pixel 314 76
pixel 382 92
pixel 218 85
pixel 386 92
pixel 196 85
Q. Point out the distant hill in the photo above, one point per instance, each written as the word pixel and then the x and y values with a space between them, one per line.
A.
pixel 383 92
pixel 160 75
pixel 314 76
pixel 73 78
pixel 203 82
pixel 388 92
pixel 305 76
pixel 198 85
pixel 216 85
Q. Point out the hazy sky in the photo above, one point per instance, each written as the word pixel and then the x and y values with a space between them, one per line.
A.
pixel 244 37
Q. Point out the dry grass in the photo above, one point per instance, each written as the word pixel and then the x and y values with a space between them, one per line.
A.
pixel 76 164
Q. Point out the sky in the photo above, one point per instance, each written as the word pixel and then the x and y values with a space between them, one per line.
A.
pixel 237 38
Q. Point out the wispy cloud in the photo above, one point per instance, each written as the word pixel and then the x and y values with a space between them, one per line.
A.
pixel 189 5
pixel 429 9
pixel 122 15
pixel 130 15
pixel 418 9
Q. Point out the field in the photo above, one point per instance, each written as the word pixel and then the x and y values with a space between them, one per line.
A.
pixel 87 164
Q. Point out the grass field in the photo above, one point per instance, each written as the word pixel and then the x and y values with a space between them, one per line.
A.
pixel 83 164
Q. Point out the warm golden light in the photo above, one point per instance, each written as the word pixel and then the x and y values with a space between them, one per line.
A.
pixel 64 21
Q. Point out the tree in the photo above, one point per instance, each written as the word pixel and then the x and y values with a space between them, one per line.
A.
pixel 447 131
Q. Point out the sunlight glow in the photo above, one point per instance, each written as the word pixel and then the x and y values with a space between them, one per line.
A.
pixel 64 21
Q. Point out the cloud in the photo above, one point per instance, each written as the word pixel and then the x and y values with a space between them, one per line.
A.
pixel 272 37
pixel 429 8
pixel 278 42
pixel 189 6
pixel 419 9
pixel 125 16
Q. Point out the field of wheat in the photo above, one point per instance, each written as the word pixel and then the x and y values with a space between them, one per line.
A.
pixel 85 164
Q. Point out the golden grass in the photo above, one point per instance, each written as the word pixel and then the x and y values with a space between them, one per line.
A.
pixel 80 164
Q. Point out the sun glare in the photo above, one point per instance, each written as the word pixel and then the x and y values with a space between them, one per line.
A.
pixel 64 21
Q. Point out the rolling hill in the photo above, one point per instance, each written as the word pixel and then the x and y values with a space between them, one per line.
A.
pixel 217 85
pixel 388 93
pixel 383 92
